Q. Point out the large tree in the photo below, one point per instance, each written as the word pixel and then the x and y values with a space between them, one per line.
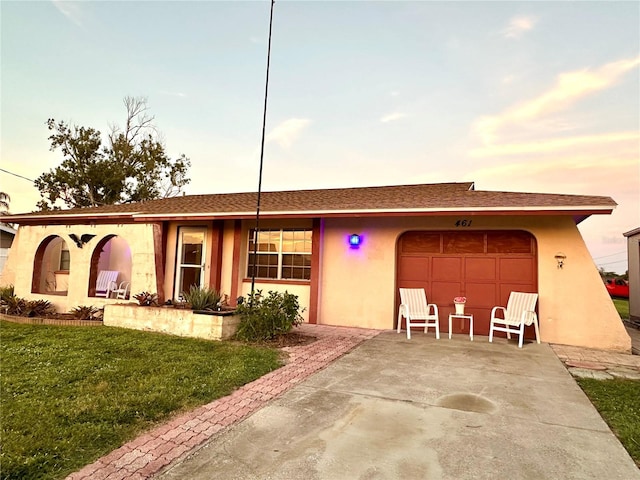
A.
pixel 4 206
pixel 130 165
pixel 4 203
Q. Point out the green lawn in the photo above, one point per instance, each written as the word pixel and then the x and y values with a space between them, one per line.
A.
pixel 618 401
pixel 73 394
pixel 622 306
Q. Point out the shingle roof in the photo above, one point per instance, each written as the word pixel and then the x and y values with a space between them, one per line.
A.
pixel 400 199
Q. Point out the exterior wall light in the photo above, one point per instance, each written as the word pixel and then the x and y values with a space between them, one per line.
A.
pixel 560 258
pixel 355 240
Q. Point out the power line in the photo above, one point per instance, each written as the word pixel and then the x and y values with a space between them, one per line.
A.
pixel 611 255
pixel 611 263
pixel 16 175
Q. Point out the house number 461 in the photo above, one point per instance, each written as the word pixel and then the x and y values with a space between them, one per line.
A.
pixel 463 223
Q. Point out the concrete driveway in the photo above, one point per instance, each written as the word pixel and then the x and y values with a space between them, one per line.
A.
pixel 422 409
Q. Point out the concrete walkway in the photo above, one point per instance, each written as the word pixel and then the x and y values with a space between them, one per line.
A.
pixel 153 451
pixel 422 409
pixel 391 408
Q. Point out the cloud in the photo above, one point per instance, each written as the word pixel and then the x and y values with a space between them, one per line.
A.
pixel 518 26
pixel 392 117
pixel 584 173
pixel 288 131
pixel 568 89
pixel 172 94
pixel 556 144
pixel 71 10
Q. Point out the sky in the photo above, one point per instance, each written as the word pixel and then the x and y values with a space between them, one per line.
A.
pixel 514 96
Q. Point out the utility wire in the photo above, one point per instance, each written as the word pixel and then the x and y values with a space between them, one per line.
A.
pixel 264 124
pixel 16 175
pixel 611 255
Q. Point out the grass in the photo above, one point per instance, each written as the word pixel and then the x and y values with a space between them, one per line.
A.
pixel 622 306
pixel 73 394
pixel 618 402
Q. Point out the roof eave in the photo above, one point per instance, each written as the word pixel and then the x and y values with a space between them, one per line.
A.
pixel 579 214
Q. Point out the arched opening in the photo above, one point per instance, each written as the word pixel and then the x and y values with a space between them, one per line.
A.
pixel 51 267
pixel 112 254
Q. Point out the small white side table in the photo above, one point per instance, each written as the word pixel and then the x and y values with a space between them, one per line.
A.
pixel 469 317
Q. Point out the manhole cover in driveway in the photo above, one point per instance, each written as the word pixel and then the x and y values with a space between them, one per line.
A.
pixel 467 402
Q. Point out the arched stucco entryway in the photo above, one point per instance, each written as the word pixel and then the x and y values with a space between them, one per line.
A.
pixel 113 253
pixel 51 267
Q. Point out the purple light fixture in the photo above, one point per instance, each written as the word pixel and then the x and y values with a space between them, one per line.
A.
pixel 355 240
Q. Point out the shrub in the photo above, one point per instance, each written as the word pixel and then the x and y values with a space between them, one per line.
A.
pixel 84 312
pixel 39 308
pixel 201 298
pixel 147 299
pixel 264 318
pixel 15 305
pixel 6 292
pixel 28 308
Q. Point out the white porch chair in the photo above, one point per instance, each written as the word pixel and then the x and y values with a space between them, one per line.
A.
pixel 122 290
pixel 417 312
pixel 104 282
pixel 520 311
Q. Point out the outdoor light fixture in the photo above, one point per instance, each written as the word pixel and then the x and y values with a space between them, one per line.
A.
pixel 560 258
pixel 354 240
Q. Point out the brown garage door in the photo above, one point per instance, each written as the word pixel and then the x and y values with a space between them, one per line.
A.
pixel 484 266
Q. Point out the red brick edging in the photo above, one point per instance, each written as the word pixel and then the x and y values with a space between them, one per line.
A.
pixel 71 322
pixel 156 449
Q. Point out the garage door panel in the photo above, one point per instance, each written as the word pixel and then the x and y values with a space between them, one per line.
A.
pixel 479 268
pixel 443 293
pixel 446 268
pixel 414 268
pixel 516 270
pixel 481 295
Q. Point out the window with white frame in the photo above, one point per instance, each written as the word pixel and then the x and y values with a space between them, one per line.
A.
pixel 282 254
pixel 65 257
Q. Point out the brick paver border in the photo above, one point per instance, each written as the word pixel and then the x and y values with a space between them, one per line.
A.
pixel 154 450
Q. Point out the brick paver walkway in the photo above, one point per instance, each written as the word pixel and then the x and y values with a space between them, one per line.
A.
pixel 151 452
pixel 580 361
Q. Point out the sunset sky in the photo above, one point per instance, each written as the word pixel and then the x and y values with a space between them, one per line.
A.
pixel 514 96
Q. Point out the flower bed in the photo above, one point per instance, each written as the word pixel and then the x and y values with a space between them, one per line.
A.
pixel 175 321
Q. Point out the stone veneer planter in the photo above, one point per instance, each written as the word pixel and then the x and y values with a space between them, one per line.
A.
pixel 174 321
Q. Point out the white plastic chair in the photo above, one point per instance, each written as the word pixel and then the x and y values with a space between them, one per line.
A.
pixel 122 290
pixel 417 312
pixel 104 282
pixel 520 311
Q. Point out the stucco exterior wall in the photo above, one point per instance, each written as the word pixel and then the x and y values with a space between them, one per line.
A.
pixel 358 285
pixel 138 238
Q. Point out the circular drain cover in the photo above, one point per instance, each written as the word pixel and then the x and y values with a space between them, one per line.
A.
pixel 467 402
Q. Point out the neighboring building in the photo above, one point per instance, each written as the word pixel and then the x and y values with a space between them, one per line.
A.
pixel 7 234
pixel 633 253
pixel 448 238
